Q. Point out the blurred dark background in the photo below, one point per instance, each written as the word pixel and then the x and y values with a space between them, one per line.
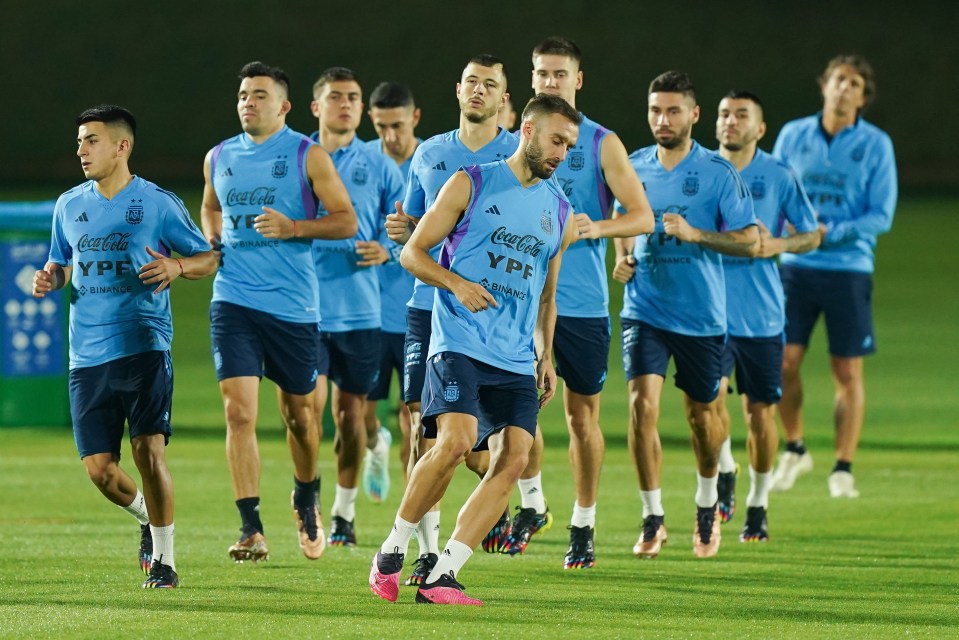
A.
pixel 174 65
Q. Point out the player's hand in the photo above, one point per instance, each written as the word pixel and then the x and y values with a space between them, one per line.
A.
pixel 625 269
pixel 399 226
pixel 586 229
pixel 162 271
pixel 768 245
pixel 545 380
pixel 675 225
pixel 371 253
pixel 273 224
pixel 47 279
pixel 473 296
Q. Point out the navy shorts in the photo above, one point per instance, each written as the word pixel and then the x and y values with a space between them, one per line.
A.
pixel 646 350
pixel 418 331
pixel 247 342
pixel 498 399
pixel 843 297
pixel 758 363
pixel 137 389
pixel 350 358
pixel 581 346
pixel 391 359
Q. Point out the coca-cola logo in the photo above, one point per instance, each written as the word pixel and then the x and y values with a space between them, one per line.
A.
pixel 115 241
pixel 258 196
pixel 528 244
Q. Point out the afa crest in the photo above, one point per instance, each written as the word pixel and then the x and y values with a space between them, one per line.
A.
pixel 280 169
pixel 691 186
pixel 360 175
pixel 859 153
pixel 546 222
pixel 577 160
pixel 758 189
pixel 135 214
pixel 452 392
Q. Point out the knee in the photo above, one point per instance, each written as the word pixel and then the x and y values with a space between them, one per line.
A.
pixel 512 465
pixel 790 368
pixel 102 476
pixel 847 377
pixel 478 462
pixel 645 409
pixel 239 416
pixel 452 449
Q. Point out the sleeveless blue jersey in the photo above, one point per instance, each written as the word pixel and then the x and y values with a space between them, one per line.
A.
pixel 396 283
pixel 851 181
pixel 582 290
pixel 112 313
pixel 679 286
pixel 754 292
pixel 350 295
pixel 269 275
pixel 504 242
pixel 433 163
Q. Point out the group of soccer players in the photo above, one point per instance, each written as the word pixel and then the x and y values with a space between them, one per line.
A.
pixel 316 242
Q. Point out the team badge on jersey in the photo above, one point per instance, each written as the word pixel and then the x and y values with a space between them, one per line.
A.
pixel 360 175
pixel 577 160
pixel 758 189
pixel 280 169
pixel 690 186
pixel 859 153
pixel 452 392
pixel 546 222
pixel 134 214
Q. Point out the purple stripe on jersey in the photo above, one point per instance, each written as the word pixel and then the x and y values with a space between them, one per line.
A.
pixel 562 216
pixel 780 225
pixel 605 201
pixel 213 158
pixel 309 199
pixel 456 237
pixel 163 249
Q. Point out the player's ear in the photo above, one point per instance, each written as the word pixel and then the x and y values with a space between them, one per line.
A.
pixel 285 107
pixel 761 131
pixel 416 117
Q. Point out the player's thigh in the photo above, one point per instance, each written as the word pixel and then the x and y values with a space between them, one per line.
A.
pixel 354 360
pixel 416 346
pixel 391 359
pixel 645 351
pixel 290 354
pixel 759 367
pixel 145 384
pixel 698 364
pixel 848 311
pixel 581 346
pixel 97 412
pixel 802 288
pixel 235 341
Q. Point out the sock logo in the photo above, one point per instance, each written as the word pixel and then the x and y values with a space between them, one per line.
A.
pixel 532 491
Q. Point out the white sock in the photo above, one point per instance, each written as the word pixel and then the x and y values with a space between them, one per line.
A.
pixel 531 493
pixel 583 516
pixel 707 491
pixel 758 488
pixel 652 502
pixel 344 503
pixel 399 538
pixel 163 545
pixel 726 462
pixel 452 559
pixel 430 528
pixel 138 509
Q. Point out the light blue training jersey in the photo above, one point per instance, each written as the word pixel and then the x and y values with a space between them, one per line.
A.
pixel 112 313
pixel 350 295
pixel 266 274
pixel 504 242
pixel 582 290
pixel 679 286
pixel 433 163
pixel 396 283
pixel 851 181
pixel 754 291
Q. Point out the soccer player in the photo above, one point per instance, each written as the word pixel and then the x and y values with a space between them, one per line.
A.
pixel 350 305
pixel 675 300
pixel 754 303
pixel 394 115
pixel 503 226
pixel 480 92
pixel 260 205
pixel 596 170
pixel 849 170
pixel 112 240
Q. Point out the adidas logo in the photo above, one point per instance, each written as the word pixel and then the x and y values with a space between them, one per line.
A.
pixel 228 172
pixel 82 217
pixel 493 211
pixel 440 167
pixel 532 491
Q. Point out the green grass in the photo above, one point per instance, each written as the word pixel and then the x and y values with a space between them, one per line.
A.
pixel 881 566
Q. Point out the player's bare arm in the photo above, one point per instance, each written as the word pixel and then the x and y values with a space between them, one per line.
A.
pixel 742 242
pixel 163 270
pixel 546 322
pixel 211 213
pixel 770 246
pixel 52 277
pixel 436 224
pixel 625 184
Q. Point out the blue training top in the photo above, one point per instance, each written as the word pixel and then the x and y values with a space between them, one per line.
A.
pixel 679 286
pixel 266 274
pixel 350 296
pixel 754 291
pixel 112 313
pixel 503 242
pixel 851 181
pixel 582 290
pixel 434 162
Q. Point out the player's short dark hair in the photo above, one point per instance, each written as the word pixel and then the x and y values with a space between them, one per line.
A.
pixel 673 82
pixel 391 95
pixel 862 67
pixel 543 104
pixel 742 94
pixel 559 46
pixel 110 114
pixel 334 74
pixel 257 69
pixel 488 60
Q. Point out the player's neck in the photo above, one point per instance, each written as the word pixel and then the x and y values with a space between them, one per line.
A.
pixel 263 136
pixel 833 122
pixel 476 135
pixel 740 158
pixel 114 183
pixel 669 158
pixel 333 140
pixel 519 167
